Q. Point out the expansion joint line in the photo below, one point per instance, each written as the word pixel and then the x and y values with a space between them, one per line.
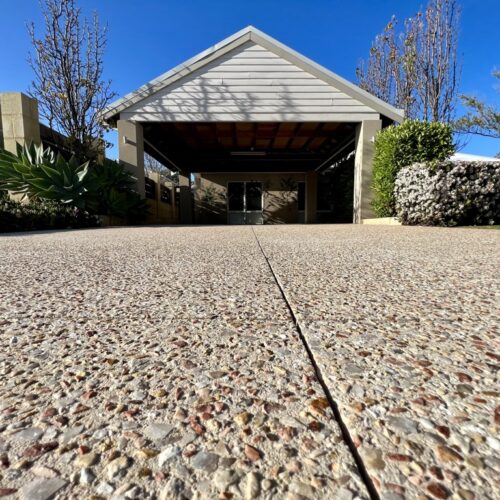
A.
pixel 372 491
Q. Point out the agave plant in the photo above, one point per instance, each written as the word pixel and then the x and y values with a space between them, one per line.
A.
pixel 115 192
pixel 39 173
pixel 113 174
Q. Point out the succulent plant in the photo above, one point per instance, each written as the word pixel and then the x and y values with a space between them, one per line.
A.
pixel 38 172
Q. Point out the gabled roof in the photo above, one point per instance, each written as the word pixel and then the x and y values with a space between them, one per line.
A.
pixel 251 34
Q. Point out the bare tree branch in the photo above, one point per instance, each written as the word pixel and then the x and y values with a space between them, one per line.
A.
pixel 482 119
pixel 67 62
pixel 153 165
pixel 417 70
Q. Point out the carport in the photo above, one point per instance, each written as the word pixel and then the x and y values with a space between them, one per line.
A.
pixel 250 125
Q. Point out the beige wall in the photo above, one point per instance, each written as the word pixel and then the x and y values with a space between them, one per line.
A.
pixel 279 196
pixel 18 120
pixel 131 150
pixel 159 211
pixel 363 169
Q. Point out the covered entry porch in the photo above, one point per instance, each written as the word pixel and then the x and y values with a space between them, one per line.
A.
pixel 254 129
pixel 259 172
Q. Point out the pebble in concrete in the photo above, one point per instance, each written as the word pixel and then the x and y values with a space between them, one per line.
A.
pixel 42 489
pixel 159 362
pixel 403 323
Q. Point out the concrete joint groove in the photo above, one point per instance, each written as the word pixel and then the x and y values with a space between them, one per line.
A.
pixel 372 491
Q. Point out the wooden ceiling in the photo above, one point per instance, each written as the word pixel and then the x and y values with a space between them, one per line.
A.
pixel 213 146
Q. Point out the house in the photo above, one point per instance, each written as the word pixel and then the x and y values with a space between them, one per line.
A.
pixel 254 130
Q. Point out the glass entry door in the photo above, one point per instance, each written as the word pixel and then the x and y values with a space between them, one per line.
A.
pixel 244 205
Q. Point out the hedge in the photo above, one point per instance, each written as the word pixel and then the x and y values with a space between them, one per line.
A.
pixel 41 214
pixel 449 194
pixel 398 146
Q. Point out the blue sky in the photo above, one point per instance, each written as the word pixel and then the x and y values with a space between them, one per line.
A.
pixel 148 37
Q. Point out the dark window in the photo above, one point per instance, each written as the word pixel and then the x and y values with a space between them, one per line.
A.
pixel 235 194
pixel 166 195
pixel 253 196
pixel 150 186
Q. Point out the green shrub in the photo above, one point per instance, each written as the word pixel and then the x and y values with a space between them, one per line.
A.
pixel 112 192
pixel 41 214
pixel 451 193
pixel 402 145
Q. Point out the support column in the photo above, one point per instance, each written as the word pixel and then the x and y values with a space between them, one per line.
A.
pixel 19 122
pixel 185 201
pixel 131 151
pixel 363 169
pixel 311 197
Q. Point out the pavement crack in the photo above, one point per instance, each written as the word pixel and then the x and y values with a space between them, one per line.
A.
pixel 363 472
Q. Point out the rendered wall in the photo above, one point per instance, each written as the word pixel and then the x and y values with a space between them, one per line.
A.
pixel 18 120
pixel 363 169
pixel 279 196
pixel 131 151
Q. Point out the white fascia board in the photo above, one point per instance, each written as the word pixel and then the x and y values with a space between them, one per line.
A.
pixel 252 117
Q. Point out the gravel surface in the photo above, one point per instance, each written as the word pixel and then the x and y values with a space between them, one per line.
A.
pixel 164 363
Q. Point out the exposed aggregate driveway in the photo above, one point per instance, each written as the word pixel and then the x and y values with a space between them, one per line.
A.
pixel 237 362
